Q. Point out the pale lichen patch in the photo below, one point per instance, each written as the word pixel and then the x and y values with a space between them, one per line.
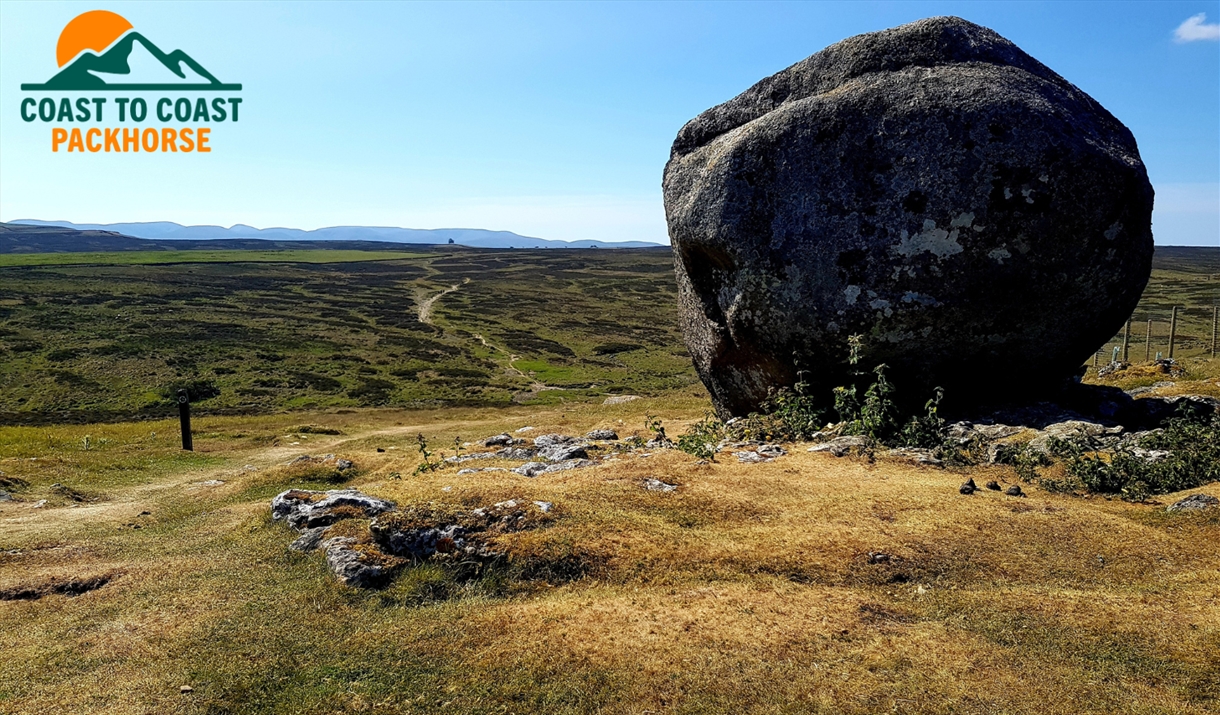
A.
pixel 998 255
pixel 931 239
pixel 920 298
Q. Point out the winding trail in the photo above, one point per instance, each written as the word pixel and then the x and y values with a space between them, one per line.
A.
pixel 425 308
pixel 535 386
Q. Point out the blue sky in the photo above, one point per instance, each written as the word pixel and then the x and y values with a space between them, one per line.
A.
pixel 547 119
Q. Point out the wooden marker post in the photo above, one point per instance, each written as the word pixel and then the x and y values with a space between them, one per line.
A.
pixel 1173 330
pixel 184 419
pixel 1126 339
pixel 1148 343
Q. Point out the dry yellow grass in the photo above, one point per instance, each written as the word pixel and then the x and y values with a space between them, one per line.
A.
pixel 747 590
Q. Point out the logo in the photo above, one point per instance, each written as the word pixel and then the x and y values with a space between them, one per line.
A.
pixel 100 51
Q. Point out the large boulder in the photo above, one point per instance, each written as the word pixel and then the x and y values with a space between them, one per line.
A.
pixel 982 222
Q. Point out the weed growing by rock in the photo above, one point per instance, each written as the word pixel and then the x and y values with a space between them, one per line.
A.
pixel 702 437
pixel 1186 454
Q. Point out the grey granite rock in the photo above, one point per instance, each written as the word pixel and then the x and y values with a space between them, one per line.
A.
pixel 351 566
pixel 309 540
pixel 656 485
pixel 1194 502
pixel 931 187
pixel 307 509
pixel 550 440
pixel 563 452
pixel 839 446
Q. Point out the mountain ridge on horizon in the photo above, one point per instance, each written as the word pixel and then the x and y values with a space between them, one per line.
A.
pixel 474 237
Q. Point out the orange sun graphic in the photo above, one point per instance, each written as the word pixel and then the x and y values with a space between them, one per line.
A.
pixel 94 30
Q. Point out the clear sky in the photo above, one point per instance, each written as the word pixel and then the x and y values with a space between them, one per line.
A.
pixel 548 119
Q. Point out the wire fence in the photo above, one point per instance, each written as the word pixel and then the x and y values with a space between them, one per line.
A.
pixel 1147 337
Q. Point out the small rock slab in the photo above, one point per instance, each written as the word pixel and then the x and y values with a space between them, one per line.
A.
pixel 965 431
pixel 563 452
pixel 917 455
pixel 839 446
pixel 764 453
pixel 602 435
pixel 355 567
pixel 462 458
pixel 1069 430
pixel 1194 502
pixel 306 509
pixel 656 485
pixel 550 440
pixel 533 469
pixel 517 453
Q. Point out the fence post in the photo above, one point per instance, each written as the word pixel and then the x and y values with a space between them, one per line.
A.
pixel 1148 343
pixel 1126 339
pixel 1173 330
pixel 184 419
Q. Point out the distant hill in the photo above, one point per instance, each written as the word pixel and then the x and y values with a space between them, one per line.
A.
pixel 479 238
pixel 20 238
pixel 54 239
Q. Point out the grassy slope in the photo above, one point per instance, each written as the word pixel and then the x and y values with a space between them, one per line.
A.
pixel 106 342
pixel 87 343
pixel 747 590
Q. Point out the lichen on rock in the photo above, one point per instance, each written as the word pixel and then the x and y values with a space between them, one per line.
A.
pixel 931 187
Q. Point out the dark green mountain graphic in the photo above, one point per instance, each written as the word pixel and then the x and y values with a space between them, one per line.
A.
pixel 78 77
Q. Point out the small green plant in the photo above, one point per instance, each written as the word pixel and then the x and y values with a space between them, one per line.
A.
pixel 878 415
pixel 428 463
pixel 1026 462
pixel 1193 459
pixel 927 431
pixel 702 437
pixel 653 424
pixel 794 412
pixel 629 444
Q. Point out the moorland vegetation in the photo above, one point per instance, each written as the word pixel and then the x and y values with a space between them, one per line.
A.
pixel 136 577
